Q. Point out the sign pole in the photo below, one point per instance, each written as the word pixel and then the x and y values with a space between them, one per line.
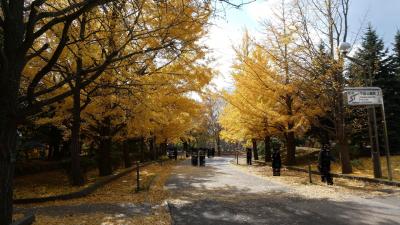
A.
pixel 375 150
pixel 375 160
pixel 369 96
pixel 387 151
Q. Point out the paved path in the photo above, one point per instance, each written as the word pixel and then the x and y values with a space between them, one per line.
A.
pixel 221 194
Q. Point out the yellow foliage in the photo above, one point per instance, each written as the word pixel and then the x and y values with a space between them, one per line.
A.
pixel 147 92
pixel 268 99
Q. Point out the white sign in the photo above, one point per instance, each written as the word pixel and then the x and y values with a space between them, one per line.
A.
pixel 363 96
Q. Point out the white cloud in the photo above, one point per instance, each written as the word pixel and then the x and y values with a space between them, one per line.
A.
pixel 221 39
pixel 260 10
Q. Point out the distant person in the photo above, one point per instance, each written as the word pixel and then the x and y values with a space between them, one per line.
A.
pixel 202 157
pixel 248 156
pixel 175 154
pixel 324 164
pixel 195 158
pixel 276 158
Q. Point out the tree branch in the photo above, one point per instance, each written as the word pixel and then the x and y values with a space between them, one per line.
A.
pixel 47 68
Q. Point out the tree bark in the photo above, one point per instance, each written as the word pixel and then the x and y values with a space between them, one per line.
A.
pixel 267 149
pixel 127 158
pixel 104 157
pixel 163 147
pixel 155 152
pixel 186 147
pixel 255 151
pixel 343 149
pixel 11 65
pixel 340 128
pixel 290 148
pixel 50 153
pixel 152 150
pixel 76 172
pixel 7 165
pixel 218 145
pixel 104 154
pixel 142 147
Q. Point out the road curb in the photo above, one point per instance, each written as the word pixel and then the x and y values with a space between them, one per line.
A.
pixel 345 176
pixel 28 219
pixel 169 206
pixel 81 193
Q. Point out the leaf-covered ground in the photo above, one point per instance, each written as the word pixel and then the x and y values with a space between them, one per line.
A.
pixel 300 181
pixel 115 203
pixel 363 167
pixel 49 183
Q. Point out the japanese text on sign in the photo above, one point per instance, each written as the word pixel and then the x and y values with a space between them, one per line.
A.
pixel 364 96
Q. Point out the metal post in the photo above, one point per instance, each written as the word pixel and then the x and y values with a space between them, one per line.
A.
pixel 387 151
pixel 374 148
pixel 309 173
pixel 374 152
pixel 370 132
pixel 237 157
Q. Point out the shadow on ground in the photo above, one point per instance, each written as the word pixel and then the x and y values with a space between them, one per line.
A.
pixel 127 209
pixel 218 194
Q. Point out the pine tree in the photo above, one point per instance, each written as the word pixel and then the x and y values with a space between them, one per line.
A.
pixel 390 85
pixel 383 75
pixel 375 55
pixel 396 55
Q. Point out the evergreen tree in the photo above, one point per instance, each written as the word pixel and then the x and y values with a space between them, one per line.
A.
pixel 373 52
pixel 391 90
pixel 383 67
pixel 396 54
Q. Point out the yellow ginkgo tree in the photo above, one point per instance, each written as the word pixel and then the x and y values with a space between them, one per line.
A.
pixel 267 99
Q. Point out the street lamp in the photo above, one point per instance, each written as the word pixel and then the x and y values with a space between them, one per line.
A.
pixel 344 48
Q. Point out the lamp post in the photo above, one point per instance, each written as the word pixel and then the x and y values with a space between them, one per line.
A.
pixel 344 48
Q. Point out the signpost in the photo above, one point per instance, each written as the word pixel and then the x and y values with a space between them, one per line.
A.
pixel 364 96
pixel 370 96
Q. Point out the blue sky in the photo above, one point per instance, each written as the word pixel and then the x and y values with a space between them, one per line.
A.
pixel 384 16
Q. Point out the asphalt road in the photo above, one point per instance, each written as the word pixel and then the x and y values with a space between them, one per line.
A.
pixel 221 194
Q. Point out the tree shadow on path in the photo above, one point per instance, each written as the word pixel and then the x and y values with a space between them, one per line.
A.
pixel 219 195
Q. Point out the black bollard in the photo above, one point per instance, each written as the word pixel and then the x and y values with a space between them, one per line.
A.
pixel 137 177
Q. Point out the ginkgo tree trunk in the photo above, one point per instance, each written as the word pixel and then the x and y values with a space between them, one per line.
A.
pixel 267 148
pixel 255 150
pixel 22 24
pixel 36 36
